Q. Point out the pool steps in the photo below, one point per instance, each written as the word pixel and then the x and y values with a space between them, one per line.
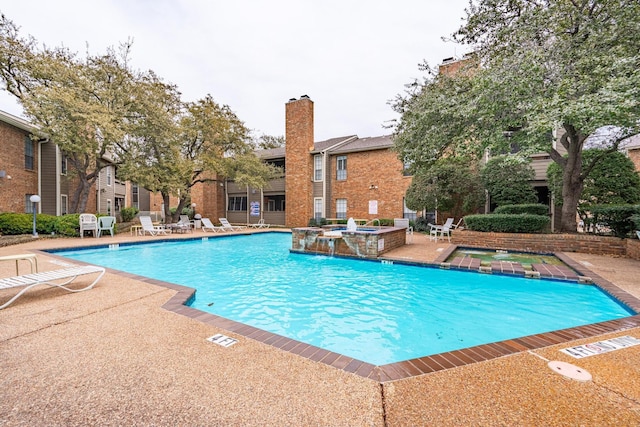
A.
pixel 505 267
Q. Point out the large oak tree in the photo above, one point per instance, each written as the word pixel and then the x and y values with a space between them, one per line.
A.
pixel 547 73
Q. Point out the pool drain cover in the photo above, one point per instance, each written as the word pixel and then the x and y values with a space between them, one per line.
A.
pixel 570 371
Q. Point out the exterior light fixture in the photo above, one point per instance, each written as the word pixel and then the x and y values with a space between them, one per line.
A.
pixel 34 200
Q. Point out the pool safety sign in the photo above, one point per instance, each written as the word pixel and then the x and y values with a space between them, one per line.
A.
pixel 222 340
pixel 600 347
pixel 254 209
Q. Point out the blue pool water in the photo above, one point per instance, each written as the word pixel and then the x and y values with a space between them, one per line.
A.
pixel 371 311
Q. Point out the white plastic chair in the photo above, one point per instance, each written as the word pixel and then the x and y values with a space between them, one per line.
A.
pixel 106 223
pixel 88 222
pixel 404 223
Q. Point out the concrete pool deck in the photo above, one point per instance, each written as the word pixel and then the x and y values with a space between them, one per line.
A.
pixel 114 356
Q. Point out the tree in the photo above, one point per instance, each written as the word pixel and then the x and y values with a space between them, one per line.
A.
pixel 508 180
pixel 450 185
pixel 613 181
pixel 182 145
pixel 80 104
pixel 539 66
pixel 267 142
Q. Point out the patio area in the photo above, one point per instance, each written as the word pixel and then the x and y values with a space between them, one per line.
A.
pixel 114 356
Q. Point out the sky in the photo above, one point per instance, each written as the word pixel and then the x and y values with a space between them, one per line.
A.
pixel 350 57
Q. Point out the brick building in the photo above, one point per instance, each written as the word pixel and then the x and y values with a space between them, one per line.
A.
pixel 337 178
pixel 20 161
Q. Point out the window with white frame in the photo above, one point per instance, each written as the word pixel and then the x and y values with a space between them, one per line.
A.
pixel 64 204
pixel 317 208
pixel 341 166
pixel 408 213
pixel 109 175
pixel 135 196
pixel 341 208
pixel 109 207
pixel 28 204
pixel 317 167
pixel 237 203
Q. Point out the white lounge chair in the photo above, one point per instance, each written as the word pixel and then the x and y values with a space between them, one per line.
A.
pixel 226 225
pixel 48 278
pixel 88 222
pixel 260 224
pixel 183 225
pixel 106 223
pixel 404 223
pixel 148 227
pixel 208 226
pixel 441 230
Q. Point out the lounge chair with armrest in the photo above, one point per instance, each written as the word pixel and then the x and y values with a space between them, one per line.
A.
pixel 148 227
pixel 28 281
pixel 226 225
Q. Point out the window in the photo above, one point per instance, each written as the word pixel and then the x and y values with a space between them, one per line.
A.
pixel 64 204
pixel 406 168
pixel 29 163
pixel 317 208
pixel 108 206
pixel 63 164
pixel 317 167
pixel 341 162
pixel 274 203
pixel 135 191
pixel 109 176
pixel 237 203
pixel 341 208
pixel 28 204
pixel 408 213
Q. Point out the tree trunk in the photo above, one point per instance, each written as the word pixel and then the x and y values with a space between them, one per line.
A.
pixel 81 195
pixel 572 179
pixel 168 218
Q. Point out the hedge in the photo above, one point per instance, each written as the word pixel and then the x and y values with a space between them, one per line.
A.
pixel 507 223
pixel 22 223
pixel 620 218
pixel 527 208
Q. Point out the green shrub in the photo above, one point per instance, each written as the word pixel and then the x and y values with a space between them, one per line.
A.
pixel 16 223
pixel 620 218
pixel 68 225
pixel 421 224
pixel 317 222
pixel 128 214
pixel 527 208
pixel 22 223
pixel 507 223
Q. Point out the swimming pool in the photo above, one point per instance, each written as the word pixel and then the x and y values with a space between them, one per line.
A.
pixel 371 311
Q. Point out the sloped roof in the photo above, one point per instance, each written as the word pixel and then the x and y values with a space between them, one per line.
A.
pixel 323 145
pixel 272 153
pixel 19 122
pixel 365 144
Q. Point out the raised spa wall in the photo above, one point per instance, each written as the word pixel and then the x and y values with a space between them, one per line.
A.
pixel 365 244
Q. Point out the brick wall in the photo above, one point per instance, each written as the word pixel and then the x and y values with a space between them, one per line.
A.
pixel 299 162
pixel 22 182
pixel 585 243
pixel 380 169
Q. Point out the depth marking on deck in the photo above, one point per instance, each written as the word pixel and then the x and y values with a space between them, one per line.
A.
pixel 586 350
pixel 222 340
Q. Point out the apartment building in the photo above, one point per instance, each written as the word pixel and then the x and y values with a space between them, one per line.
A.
pixel 337 178
pixel 35 165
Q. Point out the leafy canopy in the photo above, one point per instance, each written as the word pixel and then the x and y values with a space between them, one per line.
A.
pixel 538 67
pixel 507 179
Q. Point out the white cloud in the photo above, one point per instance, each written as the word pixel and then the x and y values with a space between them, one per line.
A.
pixel 350 57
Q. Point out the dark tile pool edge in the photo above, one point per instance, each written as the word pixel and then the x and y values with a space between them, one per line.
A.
pixel 408 368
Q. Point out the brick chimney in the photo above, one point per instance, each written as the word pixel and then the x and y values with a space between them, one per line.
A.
pixel 299 161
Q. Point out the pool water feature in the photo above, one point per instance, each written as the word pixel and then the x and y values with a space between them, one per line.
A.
pixel 524 258
pixel 368 310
